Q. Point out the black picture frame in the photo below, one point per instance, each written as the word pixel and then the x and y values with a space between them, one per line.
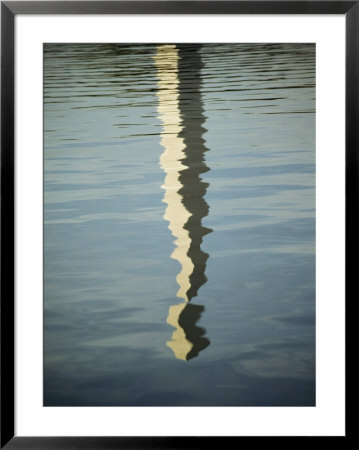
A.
pixel 9 9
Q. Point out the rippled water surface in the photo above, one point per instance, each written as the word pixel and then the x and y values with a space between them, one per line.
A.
pixel 179 235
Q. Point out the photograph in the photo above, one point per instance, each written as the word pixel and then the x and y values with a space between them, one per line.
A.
pixel 179 224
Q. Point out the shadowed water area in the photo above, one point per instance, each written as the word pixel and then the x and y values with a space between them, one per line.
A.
pixel 179 225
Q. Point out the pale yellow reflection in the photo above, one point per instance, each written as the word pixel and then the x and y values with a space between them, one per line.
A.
pixel 177 215
pixel 179 344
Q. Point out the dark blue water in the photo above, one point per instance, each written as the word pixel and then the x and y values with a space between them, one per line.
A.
pixel 179 236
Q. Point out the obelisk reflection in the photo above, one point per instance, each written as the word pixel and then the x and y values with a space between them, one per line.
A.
pixel 181 113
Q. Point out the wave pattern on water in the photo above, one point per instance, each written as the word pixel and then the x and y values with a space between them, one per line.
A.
pixel 228 131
